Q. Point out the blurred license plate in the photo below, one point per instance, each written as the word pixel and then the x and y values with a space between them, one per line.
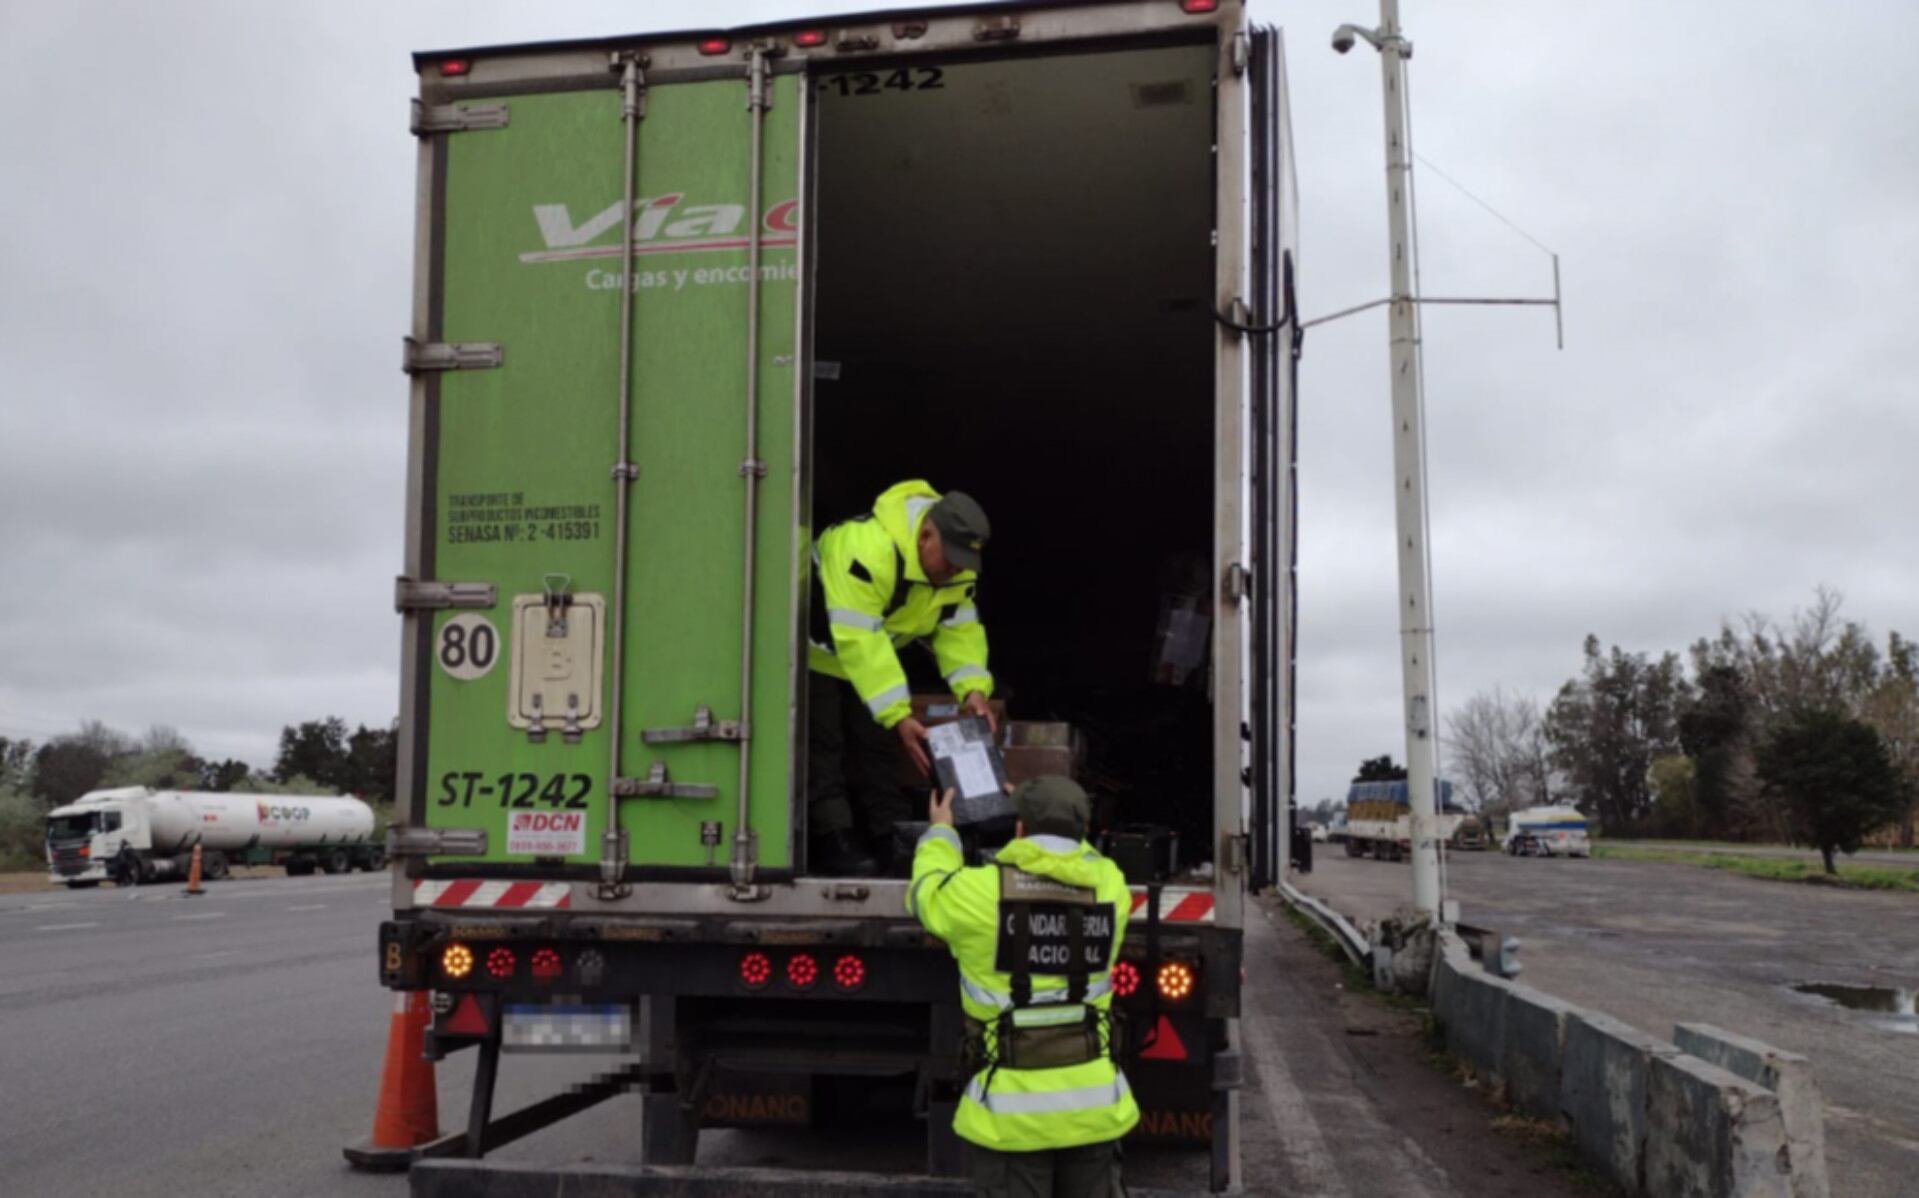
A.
pixel 554 1028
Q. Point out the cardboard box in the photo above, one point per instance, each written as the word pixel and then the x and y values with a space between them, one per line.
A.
pixel 1037 734
pixel 1032 761
pixel 1145 853
pixel 967 762
pixel 933 710
pixel 944 709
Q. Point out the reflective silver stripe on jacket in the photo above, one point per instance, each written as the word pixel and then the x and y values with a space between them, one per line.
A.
pixel 1048 1102
pixel 935 832
pixel 1098 988
pixel 965 615
pixel 941 832
pixel 1053 844
pixel 846 617
pixel 1049 1016
pixel 965 672
pixel 885 699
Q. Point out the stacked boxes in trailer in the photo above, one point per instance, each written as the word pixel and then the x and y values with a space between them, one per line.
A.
pixel 683 300
pixel 135 834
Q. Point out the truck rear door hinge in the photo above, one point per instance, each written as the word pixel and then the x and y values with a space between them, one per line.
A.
pixel 1242 53
pixel 1238 583
pixel 704 727
pixel 451 355
pixel 413 594
pixel 455 118
pixel 435 842
pixel 657 786
pixel 996 29
pixel 1234 856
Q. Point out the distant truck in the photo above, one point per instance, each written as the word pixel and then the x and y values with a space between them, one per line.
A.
pixel 135 834
pixel 1548 832
pixel 1379 822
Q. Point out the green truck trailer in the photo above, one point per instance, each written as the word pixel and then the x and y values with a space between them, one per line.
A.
pixel 682 299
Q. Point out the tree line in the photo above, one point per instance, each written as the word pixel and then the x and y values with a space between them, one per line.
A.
pixel 315 757
pixel 1806 731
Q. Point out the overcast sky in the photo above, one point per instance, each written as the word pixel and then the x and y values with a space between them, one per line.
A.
pixel 204 276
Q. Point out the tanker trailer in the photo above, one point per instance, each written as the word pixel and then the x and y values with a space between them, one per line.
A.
pixel 136 834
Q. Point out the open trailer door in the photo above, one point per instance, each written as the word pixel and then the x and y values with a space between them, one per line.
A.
pixel 613 250
pixel 1273 370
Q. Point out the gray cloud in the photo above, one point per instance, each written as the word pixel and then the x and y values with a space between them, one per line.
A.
pixel 204 273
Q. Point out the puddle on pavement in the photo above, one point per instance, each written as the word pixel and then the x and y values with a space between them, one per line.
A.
pixel 1902 1005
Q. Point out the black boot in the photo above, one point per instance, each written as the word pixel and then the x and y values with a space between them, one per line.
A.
pixel 841 855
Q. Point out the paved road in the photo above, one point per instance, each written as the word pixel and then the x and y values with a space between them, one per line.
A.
pixel 231 1044
pixel 1655 944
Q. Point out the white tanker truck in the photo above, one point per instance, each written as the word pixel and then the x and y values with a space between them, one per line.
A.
pixel 135 834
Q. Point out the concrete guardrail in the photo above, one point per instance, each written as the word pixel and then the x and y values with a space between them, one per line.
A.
pixel 1712 1116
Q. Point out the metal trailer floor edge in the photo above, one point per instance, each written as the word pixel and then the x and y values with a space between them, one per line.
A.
pixel 479 1179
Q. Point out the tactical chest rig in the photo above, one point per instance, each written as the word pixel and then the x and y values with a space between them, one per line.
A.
pixel 1049 928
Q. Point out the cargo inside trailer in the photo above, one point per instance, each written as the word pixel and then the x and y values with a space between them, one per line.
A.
pixel 1014 279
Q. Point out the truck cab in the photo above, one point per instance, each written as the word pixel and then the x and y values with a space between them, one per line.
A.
pixel 85 837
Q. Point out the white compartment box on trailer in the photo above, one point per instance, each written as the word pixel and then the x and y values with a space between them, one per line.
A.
pixel 135 834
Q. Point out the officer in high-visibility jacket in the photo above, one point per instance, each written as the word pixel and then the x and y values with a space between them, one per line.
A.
pixel 1035 934
pixel 907 570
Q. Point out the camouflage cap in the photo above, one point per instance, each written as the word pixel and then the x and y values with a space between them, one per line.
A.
pixel 1052 805
pixel 963 528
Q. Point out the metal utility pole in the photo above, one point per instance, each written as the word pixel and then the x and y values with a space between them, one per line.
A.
pixel 1409 462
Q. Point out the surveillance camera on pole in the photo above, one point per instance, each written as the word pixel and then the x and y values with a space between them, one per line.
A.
pixel 1409 455
pixel 1409 448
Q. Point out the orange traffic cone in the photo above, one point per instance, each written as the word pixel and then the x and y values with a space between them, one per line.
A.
pixel 193 874
pixel 409 1110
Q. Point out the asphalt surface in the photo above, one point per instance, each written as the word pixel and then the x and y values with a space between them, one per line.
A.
pixel 1656 944
pixel 231 1044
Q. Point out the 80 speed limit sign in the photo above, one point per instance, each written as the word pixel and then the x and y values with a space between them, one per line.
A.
pixel 467 646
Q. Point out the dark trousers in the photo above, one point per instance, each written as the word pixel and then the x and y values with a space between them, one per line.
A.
pixel 1091 1171
pixel 852 766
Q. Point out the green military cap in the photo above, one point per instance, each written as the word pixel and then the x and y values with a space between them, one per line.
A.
pixel 962 526
pixel 1052 805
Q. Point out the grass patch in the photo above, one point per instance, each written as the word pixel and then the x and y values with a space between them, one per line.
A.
pixel 1355 977
pixel 1555 1140
pixel 1742 845
pixel 1775 869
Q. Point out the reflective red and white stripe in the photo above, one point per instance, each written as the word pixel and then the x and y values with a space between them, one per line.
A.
pixel 469 892
pixel 1178 906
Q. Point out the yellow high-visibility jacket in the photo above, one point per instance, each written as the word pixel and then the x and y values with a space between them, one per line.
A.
pixel 871 599
pixel 1027 1109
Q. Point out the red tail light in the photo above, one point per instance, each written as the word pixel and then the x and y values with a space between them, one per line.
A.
pixel 1199 7
pixel 501 962
pixel 455 66
pixel 715 45
pixel 849 972
pixel 546 964
pixel 802 970
pixel 806 39
pixel 756 969
pixel 1125 979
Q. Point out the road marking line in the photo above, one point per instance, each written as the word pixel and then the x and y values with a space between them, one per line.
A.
pixel 64 927
pixel 202 915
pixel 224 952
pixel 309 907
